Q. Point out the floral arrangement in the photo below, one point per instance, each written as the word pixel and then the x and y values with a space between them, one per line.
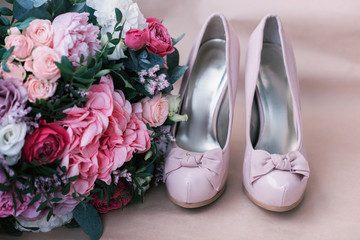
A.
pixel 85 110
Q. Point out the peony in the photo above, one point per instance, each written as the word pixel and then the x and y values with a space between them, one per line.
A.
pixel 22 44
pixel 12 138
pixel 40 32
pixel 17 71
pixel 105 15
pixel 136 137
pixel 42 224
pixel 84 167
pixel 133 39
pixel 124 192
pixel 46 143
pixel 155 110
pixel 100 96
pixel 42 64
pixel 157 38
pixel 39 89
pixel 74 36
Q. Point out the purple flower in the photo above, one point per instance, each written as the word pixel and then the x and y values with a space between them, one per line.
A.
pixel 13 96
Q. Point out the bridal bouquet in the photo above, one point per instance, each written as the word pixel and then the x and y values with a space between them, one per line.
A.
pixel 85 110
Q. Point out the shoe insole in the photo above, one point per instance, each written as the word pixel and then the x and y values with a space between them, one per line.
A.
pixel 205 100
pixel 277 132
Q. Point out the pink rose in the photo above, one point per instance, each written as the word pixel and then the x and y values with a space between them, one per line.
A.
pixel 40 32
pixel 133 39
pixel 155 110
pixel 17 71
pixel 124 192
pixel 22 45
pixel 43 64
pixel 46 144
pixel 39 89
pixel 157 38
pixel 74 36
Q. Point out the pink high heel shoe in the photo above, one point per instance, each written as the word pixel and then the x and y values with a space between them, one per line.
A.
pixel 197 164
pixel 275 171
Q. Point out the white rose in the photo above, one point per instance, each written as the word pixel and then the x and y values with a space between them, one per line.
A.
pixel 12 139
pixel 106 17
pixel 43 224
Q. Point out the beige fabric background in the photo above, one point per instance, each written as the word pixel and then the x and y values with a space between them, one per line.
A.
pixel 326 39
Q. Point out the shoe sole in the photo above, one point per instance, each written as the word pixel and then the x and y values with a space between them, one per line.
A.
pixel 198 204
pixel 273 208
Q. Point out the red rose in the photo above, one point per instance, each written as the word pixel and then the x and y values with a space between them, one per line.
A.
pixel 48 141
pixel 114 203
pixel 134 40
pixel 157 38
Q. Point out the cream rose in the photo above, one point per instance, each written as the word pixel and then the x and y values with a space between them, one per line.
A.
pixel 43 65
pixel 155 110
pixel 40 32
pixel 12 139
pixel 39 89
pixel 22 44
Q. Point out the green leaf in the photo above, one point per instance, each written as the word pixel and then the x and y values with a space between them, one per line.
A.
pixel 89 219
pixel 38 3
pixel 49 214
pixel 5 11
pixel 173 59
pixel 42 206
pixel 4 21
pixel 176 40
pixel 177 72
pixel 24 24
pixel 115 41
pixel 14 202
pixel 8 52
pixel 118 15
pixel 66 189
pixel 102 72
pixel 4 188
pixel 73 178
pixel 72 224
pixel 109 36
pixel 55 199
pixel 10 1
pixel 119 28
pixel 5 67
pixel 117 66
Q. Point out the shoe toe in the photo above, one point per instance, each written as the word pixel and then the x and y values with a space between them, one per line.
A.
pixel 279 188
pixel 189 185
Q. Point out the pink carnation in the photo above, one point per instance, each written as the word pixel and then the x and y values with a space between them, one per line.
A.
pixel 74 36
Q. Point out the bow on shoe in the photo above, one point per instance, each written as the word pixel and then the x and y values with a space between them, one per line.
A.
pixel 209 163
pixel 263 162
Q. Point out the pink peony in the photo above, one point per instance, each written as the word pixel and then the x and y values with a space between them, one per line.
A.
pixel 155 110
pixel 100 96
pixel 40 32
pixel 157 38
pixel 133 39
pixel 86 128
pixel 136 137
pixel 114 203
pixel 74 36
pixel 86 168
pixel 39 89
pixel 17 71
pixel 22 44
pixel 42 64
